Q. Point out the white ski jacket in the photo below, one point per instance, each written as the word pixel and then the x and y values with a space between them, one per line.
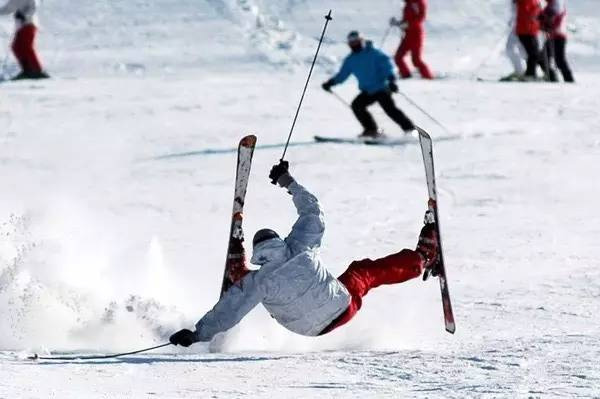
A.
pixel 292 284
pixel 23 10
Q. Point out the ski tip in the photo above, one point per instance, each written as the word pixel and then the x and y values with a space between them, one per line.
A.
pixel 248 141
pixel 451 328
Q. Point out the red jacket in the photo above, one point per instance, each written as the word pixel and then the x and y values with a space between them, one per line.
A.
pixel 414 13
pixel 527 17
pixel 554 19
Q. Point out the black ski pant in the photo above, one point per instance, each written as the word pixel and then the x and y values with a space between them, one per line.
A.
pixel 554 48
pixel 385 100
pixel 536 57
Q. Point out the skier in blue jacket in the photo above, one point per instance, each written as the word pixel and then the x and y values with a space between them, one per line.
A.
pixel 376 81
pixel 294 285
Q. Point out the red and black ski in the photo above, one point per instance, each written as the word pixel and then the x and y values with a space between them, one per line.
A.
pixel 439 269
pixel 235 264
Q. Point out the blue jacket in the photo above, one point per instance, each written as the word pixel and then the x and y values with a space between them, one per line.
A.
pixel 372 68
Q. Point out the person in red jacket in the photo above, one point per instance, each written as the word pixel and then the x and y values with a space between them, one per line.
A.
pixel 412 22
pixel 554 24
pixel 528 27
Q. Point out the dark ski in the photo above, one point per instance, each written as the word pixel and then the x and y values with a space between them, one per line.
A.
pixel 384 141
pixel 439 268
pixel 235 263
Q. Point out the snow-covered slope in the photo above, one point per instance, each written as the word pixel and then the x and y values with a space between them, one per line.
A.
pixel 112 238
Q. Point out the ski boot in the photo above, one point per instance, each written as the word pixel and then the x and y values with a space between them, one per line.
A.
pixel 428 246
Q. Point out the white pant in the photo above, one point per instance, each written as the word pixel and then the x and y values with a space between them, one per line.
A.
pixel 515 52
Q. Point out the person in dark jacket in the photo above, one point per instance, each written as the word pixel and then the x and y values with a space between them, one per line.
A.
pixel 376 81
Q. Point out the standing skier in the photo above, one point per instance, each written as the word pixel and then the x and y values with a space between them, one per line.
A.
pixel 528 27
pixel 554 24
pixel 23 43
pixel 376 81
pixel 413 24
pixel 295 287
pixel 513 49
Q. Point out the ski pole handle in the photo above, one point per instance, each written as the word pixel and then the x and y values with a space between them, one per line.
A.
pixel 278 170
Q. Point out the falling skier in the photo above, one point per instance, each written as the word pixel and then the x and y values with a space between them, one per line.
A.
pixel 23 43
pixel 376 81
pixel 412 22
pixel 293 285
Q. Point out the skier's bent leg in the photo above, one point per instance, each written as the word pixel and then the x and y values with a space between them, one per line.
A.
pixel 32 58
pixel 365 274
pixel 531 46
pixel 387 103
pixel 513 51
pixel 417 57
pixel 18 48
pixel 359 106
pixel 399 58
pixel 558 45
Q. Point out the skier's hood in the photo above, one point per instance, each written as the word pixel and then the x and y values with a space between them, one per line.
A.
pixel 273 250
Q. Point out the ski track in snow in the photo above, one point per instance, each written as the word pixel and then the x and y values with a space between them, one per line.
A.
pixel 117 183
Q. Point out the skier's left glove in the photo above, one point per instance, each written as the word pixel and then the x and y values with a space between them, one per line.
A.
pixel 393 86
pixel 184 338
pixel 279 174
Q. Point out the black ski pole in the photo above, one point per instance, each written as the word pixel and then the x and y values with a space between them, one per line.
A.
pixel 385 35
pixel 95 357
pixel 340 99
pixel 424 112
pixel 327 19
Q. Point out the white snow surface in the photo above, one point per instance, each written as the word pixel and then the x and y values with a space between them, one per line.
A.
pixel 117 180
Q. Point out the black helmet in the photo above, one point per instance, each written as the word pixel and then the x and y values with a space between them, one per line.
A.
pixel 263 235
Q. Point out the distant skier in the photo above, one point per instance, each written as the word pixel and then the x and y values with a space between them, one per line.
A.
pixel 528 27
pixel 376 81
pixel 23 42
pixel 293 284
pixel 513 49
pixel 413 24
pixel 554 24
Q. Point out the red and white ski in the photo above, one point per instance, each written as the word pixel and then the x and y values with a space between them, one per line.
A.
pixel 235 264
pixel 439 269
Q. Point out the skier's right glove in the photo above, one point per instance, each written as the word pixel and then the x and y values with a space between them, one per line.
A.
pixel 279 174
pixel 328 85
pixel 184 338
pixel 393 86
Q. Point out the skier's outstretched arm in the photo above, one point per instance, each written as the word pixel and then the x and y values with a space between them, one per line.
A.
pixel 340 77
pixel 237 301
pixel 308 230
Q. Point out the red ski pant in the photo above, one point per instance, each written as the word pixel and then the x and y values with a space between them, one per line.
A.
pixel 365 274
pixel 22 47
pixel 413 44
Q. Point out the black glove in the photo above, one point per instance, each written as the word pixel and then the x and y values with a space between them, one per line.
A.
pixel 279 174
pixel 184 338
pixel 328 85
pixel 393 86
